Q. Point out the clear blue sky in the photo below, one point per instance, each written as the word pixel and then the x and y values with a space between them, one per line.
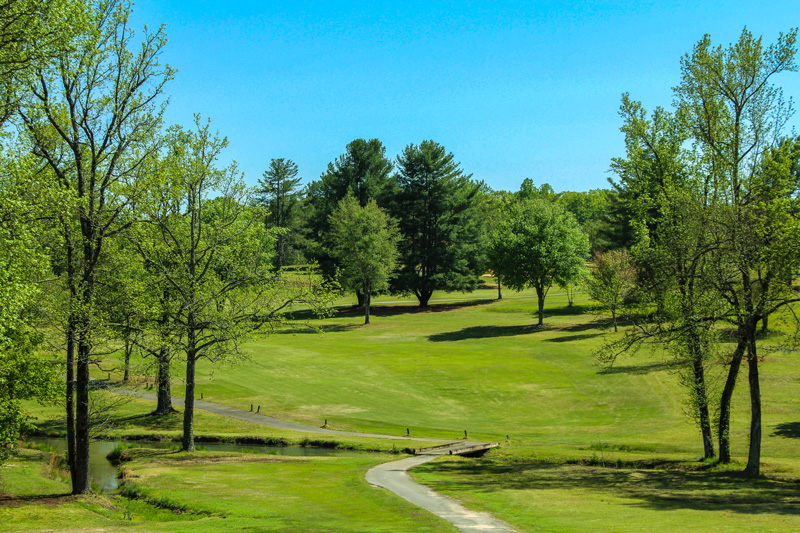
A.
pixel 513 89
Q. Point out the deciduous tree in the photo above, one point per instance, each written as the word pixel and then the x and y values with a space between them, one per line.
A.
pixel 735 114
pixel 612 280
pixel 364 240
pixel 538 243
pixel 90 117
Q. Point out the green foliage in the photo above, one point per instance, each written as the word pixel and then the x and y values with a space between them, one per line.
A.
pixel 591 210
pixel 278 192
pixel 612 281
pixel 362 171
pixel 32 32
pixel 713 222
pixel 537 244
pixel 364 241
pixel 529 191
pixel 24 375
pixel 440 216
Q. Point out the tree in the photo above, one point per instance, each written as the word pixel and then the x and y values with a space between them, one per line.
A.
pixel 439 214
pixel 735 114
pixel 278 193
pixel 537 244
pixel 612 281
pixel 364 240
pixel 362 171
pixel 23 376
pixel 31 33
pixel 90 117
pixel 25 197
pixel 713 224
pixel 591 210
pixel 207 246
pixel 678 307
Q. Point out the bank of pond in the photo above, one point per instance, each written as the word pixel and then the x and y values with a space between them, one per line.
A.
pixel 103 465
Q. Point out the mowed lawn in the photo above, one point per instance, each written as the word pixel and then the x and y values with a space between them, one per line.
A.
pixel 583 447
pixel 484 367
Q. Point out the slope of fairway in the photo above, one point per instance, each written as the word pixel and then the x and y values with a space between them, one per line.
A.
pixel 477 366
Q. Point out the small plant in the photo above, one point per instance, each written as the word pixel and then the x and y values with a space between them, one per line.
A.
pixel 118 454
pixel 58 467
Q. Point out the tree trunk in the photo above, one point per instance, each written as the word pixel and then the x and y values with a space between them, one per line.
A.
pixel 753 467
pixel 725 404
pixel 188 412
pixel 702 407
pixel 499 290
pixel 164 405
pixel 765 324
pixel 423 297
pixel 540 300
pixel 614 318
pixel 360 298
pixel 367 301
pixel 81 481
pixel 127 370
pixel 70 397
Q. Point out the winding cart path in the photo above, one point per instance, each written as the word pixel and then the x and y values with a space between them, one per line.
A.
pixel 392 476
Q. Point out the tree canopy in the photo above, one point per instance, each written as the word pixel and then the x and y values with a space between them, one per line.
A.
pixel 538 243
pixel 438 209
pixel 364 240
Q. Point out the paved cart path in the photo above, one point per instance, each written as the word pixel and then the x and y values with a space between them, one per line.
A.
pixel 391 476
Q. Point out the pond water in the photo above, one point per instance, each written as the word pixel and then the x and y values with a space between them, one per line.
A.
pixel 104 474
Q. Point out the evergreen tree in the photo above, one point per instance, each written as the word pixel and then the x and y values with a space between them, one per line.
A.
pixel 441 220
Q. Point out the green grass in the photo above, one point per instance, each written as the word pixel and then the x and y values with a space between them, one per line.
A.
pixel 481 365
pixel 536 494
pixel 31 500
pixel 206 491
pixel 271 493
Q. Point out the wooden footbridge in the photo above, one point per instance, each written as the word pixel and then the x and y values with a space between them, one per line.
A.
pixel 467 449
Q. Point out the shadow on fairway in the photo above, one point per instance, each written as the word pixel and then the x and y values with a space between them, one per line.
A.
pixel 378 309
pixel 789 430
pixel 48 500
pixel 661 486
pixel 600 323
pixel 326 328
pixel 570 338
pixel 639 369
pixel 485 332
pixel 401 309
pixel 174 420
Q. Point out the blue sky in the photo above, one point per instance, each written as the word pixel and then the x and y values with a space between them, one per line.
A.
pixel 513 89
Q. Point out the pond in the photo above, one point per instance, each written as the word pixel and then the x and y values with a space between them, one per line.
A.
pixel 104 474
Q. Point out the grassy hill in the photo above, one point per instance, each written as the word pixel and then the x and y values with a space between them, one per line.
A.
pixel 584 447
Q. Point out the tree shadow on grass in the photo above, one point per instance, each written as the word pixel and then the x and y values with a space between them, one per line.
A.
pixel 565 310
pixel 45 500
pixel 657 488
pixel 149 421
pixel 789 430
pixel 173 420
pixel 600 323
pixel 402 309
pixel 484 332
pixel 637 370
pixel 570 338
pixel 390 309
pixel 325 328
